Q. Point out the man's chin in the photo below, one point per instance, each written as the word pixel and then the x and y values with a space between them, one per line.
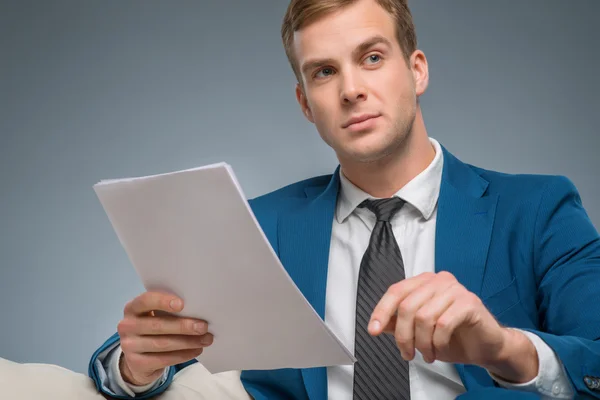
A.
pixel 365 156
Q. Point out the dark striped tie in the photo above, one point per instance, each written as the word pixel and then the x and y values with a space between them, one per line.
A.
pixel 379 372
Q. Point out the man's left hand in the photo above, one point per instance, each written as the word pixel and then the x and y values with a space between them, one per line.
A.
pixel 435 314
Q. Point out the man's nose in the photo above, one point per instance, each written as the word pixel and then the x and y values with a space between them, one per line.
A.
pixel 353 89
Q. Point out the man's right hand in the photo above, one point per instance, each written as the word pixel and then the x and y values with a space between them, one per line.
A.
pixel 152 341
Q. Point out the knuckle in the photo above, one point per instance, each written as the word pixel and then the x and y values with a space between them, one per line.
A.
pixel 442 324
pixel 186 326
pixel 456 288
pixel 472 299
pixel 128 307
pixel 424 317
pixel 159 343
pixel 395 287
pixel 156 326
pixel 402 340
pixel 429 275
pixel 127 326
pixel 127 344
pixel 445 275
pixel 405 308
pixel 122 327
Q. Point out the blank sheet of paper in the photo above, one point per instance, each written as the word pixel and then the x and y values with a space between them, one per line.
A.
pixel 192 233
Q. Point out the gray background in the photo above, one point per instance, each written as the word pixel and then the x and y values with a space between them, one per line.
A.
pixel 110 89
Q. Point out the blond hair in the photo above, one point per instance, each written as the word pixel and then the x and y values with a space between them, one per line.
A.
pixel 302 12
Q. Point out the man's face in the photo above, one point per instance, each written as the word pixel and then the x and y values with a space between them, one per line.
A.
pixel 357 87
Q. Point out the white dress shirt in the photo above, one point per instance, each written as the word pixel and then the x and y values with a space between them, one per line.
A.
pixel 414 230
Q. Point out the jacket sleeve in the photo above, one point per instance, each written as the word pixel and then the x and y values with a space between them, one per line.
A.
pixel 97 372
pixel 279 384
pixel 566 258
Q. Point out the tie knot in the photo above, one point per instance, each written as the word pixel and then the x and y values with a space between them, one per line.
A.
pixel 384 209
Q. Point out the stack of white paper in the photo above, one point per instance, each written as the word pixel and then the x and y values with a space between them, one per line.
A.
pixel 193 234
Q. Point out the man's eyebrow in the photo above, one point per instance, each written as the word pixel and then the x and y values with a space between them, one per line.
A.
pixel 314 64
pixel 367 44
pixel 357 52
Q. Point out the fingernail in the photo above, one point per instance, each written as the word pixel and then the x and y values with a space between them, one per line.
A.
pixel 200 327
pixel 206 340
pixel 176 304
pixel 375 325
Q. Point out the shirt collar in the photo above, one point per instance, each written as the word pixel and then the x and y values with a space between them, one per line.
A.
pixel 421 192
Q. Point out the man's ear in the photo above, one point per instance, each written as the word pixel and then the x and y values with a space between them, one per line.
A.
pixel 301 97
pixel 420 70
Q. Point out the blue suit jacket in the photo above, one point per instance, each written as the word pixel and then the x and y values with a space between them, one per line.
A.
pixel 523 243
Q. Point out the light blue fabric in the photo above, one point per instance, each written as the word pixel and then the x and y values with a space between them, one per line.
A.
pixel 98 371
pixel 107 362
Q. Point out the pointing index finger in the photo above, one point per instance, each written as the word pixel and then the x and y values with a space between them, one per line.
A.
pixel 389 302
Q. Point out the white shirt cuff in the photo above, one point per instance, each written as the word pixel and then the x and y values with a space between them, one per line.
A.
pixel 551 382
pixel 115 376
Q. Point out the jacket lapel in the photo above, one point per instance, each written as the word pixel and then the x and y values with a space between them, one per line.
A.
pixel 463 231
pixel 304 239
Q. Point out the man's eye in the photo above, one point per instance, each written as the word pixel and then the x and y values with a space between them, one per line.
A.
pixel 374 58
pixel 324 72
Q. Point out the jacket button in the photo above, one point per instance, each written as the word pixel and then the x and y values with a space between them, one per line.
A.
pixel 590 382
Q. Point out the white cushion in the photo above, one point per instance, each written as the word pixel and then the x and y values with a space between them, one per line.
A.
pixel 49 382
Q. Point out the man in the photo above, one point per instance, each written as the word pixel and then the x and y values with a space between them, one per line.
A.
pixel 445 279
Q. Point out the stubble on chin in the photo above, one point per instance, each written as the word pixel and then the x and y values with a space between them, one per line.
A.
pixel 396 146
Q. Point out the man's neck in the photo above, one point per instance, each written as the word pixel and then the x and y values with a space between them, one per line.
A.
pixel 383 178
